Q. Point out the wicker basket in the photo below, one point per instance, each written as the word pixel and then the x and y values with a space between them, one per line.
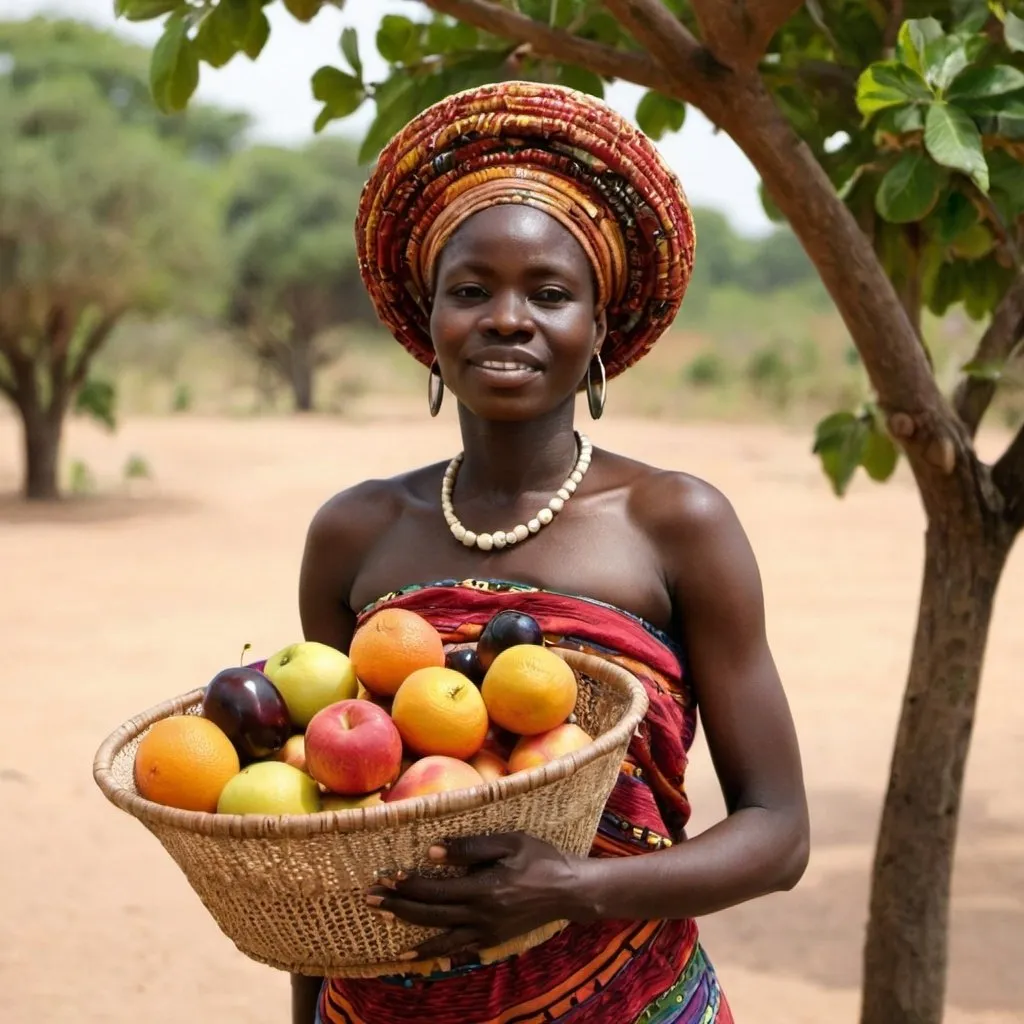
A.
pixel 288 890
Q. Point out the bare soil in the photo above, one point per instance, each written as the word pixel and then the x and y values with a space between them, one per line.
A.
pixel 111 603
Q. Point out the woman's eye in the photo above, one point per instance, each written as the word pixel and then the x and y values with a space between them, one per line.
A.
pixel 468 291
pixel 551 296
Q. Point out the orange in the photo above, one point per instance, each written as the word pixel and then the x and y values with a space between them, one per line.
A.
pixel 185 761
pixel 439 711
pixel 529 689
pixel 391 646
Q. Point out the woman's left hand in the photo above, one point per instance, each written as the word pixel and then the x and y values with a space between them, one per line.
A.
pixel 515 883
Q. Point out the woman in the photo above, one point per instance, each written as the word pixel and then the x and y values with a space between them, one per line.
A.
pixel 524 241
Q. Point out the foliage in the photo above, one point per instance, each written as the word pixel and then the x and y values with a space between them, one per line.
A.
pixel 103 209
pixel 288 221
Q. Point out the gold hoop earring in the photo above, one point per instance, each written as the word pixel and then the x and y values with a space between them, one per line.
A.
pixel 597 389
pixel 435 389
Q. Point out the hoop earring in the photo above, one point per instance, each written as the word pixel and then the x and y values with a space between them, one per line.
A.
pixel 435 389
pixel 596 392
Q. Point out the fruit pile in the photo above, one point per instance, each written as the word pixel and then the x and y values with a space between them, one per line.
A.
pixel 398 717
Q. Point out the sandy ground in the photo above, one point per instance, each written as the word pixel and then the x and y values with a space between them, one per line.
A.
pixel 110 605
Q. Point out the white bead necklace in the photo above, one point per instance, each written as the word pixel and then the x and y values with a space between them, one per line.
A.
pixel 520 532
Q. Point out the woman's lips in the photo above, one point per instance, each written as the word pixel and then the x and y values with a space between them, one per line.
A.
pixel 504 374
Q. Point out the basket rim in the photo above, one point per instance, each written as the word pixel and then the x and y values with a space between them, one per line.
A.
pixel 380 817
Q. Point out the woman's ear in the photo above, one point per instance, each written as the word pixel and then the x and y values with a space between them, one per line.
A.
pixel 600 330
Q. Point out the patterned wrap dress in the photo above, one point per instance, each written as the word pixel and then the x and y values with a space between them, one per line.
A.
pixel 611 972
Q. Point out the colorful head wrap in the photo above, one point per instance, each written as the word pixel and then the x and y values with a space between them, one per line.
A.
pixel 545 146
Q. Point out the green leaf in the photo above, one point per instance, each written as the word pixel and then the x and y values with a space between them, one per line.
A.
pixel 970 15
pixel 396 104
pixel 340 93
pixel 350 50
pixel 914 36
pixel 657 114
pixel 956 215
pixel 174 67
pixel 146 10
pixel 953 141
pixel 1013 32
pixel 889 84
pixel 581 80
pixel 983 83
pixel 839 443
pixel 944 59
pixel 973 243
pixel 910 188
pixel 451 37
pixel 257 36
pixel 303 10
pixel 97 398
pixel 880 455
pixel 222 33
pixel 398 39
pixel 981 370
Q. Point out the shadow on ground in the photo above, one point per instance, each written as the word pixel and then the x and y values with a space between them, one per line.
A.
pixel 825 916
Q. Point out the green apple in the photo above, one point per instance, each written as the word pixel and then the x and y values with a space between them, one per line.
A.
pixel 309 676
pixel 270 787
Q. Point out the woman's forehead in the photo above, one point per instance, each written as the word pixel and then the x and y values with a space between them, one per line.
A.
pixel 513 228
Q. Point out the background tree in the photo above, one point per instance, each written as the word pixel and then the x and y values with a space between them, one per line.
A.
pixel 294 270
pixel 892 148
pixel 104 208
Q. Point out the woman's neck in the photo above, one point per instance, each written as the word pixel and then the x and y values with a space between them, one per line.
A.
pixel 505 459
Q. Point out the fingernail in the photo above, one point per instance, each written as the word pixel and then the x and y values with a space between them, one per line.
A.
pixel 386 915
pixel 374 901
pixel 437 853
pixel 411 955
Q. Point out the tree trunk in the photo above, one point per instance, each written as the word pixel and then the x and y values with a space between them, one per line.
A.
pixel 905 950
pixel 301 366
pixel 42 432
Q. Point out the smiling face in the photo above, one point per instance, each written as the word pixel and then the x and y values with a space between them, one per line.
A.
pixel 514 322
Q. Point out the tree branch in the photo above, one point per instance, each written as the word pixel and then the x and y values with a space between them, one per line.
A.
pixel 1008 476
pixel 738 32
pixel 546 41
pixel 974 393
pixel 97 337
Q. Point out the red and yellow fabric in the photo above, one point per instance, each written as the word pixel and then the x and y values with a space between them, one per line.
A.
pixel 615 972
pixel 545 146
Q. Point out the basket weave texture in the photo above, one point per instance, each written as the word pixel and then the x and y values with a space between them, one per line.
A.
pixel 289 890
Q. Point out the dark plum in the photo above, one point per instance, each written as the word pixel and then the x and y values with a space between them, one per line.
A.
pixel 507 629
pixel 464 660
pixel 247 706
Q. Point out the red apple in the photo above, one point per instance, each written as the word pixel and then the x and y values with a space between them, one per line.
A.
pixel 533 751
pixel 490 765
pixel 434 774
pixel 353 747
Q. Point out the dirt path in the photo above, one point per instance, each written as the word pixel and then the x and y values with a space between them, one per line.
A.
pixel 111 605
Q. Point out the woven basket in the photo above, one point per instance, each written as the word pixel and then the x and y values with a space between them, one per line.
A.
pixel 289 890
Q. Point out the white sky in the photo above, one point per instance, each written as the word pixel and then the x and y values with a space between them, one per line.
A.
pixel 275 90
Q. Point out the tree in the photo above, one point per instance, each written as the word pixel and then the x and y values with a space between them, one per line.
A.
pixel 104 208
pixel 295 274
pixel 892 148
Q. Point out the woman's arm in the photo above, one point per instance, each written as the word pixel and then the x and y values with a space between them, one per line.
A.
pixel 763 844
pixel 519 883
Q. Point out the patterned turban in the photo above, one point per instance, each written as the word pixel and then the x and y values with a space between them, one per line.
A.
pixel 544 146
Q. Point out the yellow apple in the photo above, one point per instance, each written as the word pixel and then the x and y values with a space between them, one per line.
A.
pixel 310 676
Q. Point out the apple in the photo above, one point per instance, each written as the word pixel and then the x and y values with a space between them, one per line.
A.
pixel 353 747
pixel 434 774
pixel 338 802
pixel 489 765
pixel 293 752
pixel 533 751
pixel 269 787
pixel 310 676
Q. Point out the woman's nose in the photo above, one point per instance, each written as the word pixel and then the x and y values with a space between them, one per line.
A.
pixel 507 313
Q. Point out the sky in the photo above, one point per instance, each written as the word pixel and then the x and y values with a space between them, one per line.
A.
pixel 275 91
